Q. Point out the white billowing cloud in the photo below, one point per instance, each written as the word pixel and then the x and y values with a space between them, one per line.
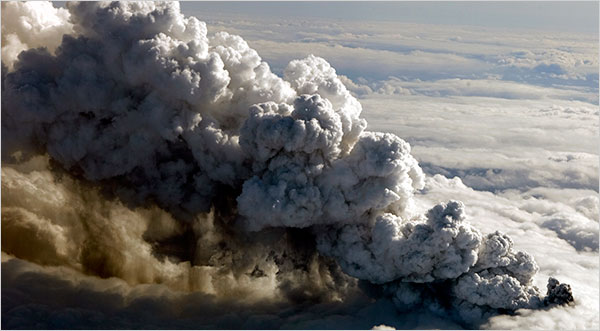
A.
pixel 315 75
pixel 31 24
pixel 500 275
pixel 185 163
pixel 296 189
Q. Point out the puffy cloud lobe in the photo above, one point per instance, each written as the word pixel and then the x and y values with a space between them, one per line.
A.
pixel 310 126
pixel 315 75
pixel 379 174
pixel 442 247
pixel 28 25
pixel 306 186
pixel 495 291
pixel 558 293
pixel 293 149
pixel 144 102
pixel 501 278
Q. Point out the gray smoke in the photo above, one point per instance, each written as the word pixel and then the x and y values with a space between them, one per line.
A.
pixel 178 158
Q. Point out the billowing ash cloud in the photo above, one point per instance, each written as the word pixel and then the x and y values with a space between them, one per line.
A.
pixel 270 185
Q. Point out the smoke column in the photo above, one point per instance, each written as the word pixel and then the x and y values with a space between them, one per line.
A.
pixel 136 146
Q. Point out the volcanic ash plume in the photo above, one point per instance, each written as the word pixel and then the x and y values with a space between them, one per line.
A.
pixel 165 155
